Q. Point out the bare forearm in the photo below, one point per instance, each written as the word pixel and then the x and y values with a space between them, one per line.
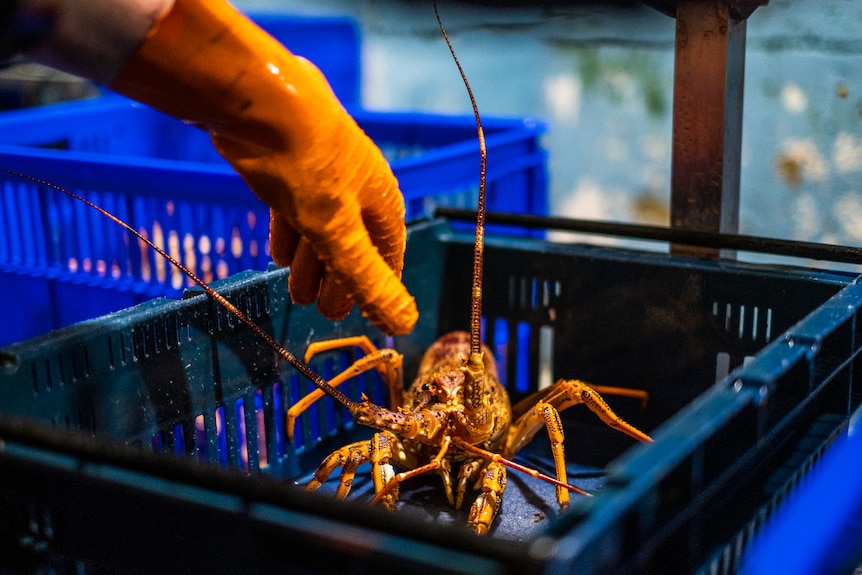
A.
pixel 90 38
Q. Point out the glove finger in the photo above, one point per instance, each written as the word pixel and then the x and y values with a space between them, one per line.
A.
pixel 388 237
pixel 383 217
pixel 335 300
pixel 358 269
pixel 393 310
pixel 306 272
pixel 283 239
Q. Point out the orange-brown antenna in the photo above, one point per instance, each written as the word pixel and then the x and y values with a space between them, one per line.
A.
pixel 479 245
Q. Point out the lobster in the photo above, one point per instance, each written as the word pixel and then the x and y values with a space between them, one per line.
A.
pixel 455 419
pixel 456 413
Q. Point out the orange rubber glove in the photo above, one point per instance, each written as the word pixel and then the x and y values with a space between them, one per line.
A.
pixel 337 215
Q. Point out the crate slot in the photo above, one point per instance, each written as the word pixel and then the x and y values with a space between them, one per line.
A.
pixel 735 319
pixel 222 444
pixel 200 437
pixel 86 418
pixel 278 428
pixel 545 375
pixel 157 441
pixel 531 293
pixel 246 417
pixel 521 356
pixel 179 439
pixel 35 379
pixel 499 339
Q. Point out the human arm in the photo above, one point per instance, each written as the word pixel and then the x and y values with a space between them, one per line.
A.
pixel 337 215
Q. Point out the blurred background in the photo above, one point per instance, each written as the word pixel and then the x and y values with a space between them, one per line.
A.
pixel 601 75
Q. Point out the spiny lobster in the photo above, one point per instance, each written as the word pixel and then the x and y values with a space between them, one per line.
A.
pixel 455 415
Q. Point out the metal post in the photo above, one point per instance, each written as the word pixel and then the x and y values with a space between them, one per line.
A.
pixel 707 120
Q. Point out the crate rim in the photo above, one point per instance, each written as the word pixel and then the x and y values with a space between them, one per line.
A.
pixel 500 238
pixel 218 180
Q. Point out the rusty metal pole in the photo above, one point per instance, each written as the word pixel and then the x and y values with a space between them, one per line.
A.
pixel 709 74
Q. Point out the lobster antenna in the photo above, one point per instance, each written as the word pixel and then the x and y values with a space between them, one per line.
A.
pixel 280 350
pixel 479 245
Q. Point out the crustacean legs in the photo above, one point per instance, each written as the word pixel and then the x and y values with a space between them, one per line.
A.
pixel 480 467
pixel 542 409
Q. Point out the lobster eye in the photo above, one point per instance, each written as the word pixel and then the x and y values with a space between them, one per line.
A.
pixel 425 387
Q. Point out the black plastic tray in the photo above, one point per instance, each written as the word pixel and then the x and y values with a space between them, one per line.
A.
pixel 188 382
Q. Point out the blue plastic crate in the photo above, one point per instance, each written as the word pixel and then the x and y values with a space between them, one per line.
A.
pixel 185 380
pixel 332 43
pixel 165 179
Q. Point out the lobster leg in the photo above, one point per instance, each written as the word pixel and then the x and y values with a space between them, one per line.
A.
pixel 360 341
pixel 379 451
pixel 562 395
pixel 591 398
pixel 445 473
pixel 436 463
pixel 386 361
pixel 468 473
pixel 623 392
pixel 545 413
pixel 390 370
pixel 486 505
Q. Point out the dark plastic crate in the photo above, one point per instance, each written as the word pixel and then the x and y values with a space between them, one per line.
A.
pixel 62 262
pixel 818 529
pixel 183 379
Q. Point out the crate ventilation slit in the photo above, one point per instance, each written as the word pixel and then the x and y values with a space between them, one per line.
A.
pixel 262 425
pixel 511 344
pixel 75 371
pixel 242 435
pixel 746 322
pixel 546 356
pixel 179 440
pixel 532 293
pixel 279 410
pixel 175 331
pixel 200 431
pixel 123 343
pixel 35 378
pixel 85 366
pixel 221 436
pixel 39 532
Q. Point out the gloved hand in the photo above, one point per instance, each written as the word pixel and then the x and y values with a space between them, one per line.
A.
pixel 337 215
